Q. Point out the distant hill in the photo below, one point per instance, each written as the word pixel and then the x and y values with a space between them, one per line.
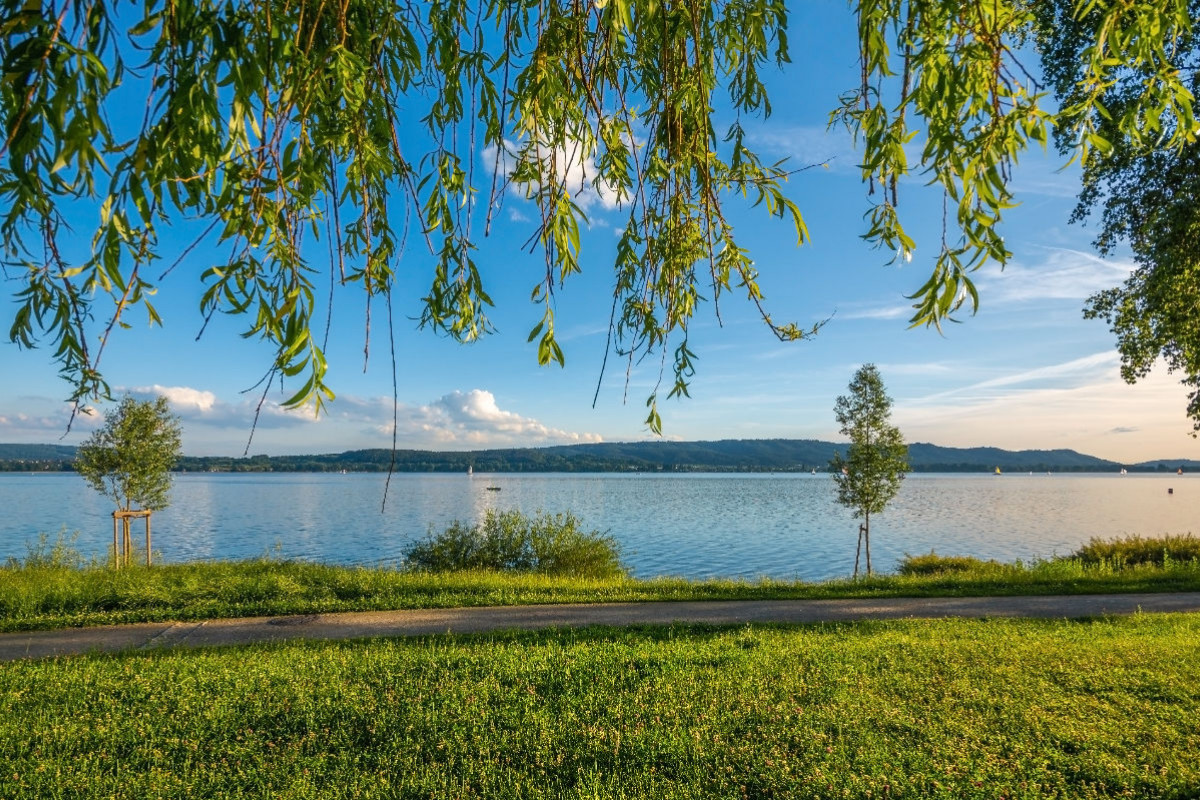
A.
pixel 36 457
pixel 932 458
pixel 726 455
pixel 758 455
pixel 36 452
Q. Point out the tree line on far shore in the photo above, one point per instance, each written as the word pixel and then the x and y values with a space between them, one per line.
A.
pixel 767 455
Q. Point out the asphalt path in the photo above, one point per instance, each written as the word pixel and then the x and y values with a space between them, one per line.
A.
pixel 373 624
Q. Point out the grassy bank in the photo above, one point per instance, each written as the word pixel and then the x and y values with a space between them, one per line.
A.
pixel 943 709
pixel 48 595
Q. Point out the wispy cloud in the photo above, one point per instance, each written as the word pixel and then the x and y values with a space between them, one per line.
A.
pixel 1051 275
pixel 808 145
pixel 918 368
pixel 1055 184
pixel 1065 374
pixel 1062 274
pixel 203 407
pixel 889 311
pixel 32 418
pixel 49 425
pixel 1089 408
pixel 582 332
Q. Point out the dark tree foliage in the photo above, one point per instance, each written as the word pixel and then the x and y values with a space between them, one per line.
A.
pixel 1146 196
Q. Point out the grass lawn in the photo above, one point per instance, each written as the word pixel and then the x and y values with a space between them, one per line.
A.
pixel 948 708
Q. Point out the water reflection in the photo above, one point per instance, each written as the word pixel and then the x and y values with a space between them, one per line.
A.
pixel 781 526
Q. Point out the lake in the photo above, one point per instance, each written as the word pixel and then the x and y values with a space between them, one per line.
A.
pixel 728 525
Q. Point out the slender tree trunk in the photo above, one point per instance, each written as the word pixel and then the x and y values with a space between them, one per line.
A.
pixel 128 541
pixel 867 540
pixel 858 550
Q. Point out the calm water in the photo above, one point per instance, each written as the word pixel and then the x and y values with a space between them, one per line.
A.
pixel 782 526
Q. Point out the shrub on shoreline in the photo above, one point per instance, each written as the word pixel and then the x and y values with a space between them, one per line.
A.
pixel 933 564
pixel 1133 550
pixel 509 541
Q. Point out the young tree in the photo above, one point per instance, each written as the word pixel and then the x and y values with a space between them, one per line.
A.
pixel 868 478
pixel 129 459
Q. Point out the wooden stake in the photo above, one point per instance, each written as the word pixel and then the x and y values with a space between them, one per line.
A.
pixel 123 543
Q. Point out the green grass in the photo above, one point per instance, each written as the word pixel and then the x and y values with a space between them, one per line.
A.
pixel 921 709
pixel 62 596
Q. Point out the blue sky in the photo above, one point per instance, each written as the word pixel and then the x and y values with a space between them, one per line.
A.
pixel 1026 372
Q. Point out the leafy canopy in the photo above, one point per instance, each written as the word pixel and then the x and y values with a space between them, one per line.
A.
pixel 869 476
pixel 1145 194
pixel 129 459
pixel 268 125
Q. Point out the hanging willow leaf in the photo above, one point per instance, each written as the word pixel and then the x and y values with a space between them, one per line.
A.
pixel 272 123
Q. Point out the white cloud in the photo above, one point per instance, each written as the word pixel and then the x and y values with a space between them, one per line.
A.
pixel 180 397
pixel 574 165
pixel 458 420
pixel 473 418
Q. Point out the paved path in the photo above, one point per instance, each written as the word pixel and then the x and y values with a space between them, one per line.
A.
pixel 358 625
